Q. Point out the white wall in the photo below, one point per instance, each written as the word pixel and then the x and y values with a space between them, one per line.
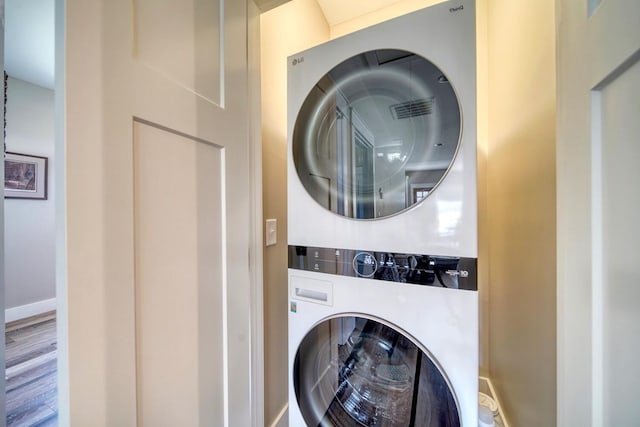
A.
pixel 29 224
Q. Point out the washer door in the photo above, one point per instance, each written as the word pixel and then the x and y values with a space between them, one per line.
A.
pixel 376 134
pixel 360 371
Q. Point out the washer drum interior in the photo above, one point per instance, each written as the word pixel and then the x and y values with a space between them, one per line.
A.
pixel 353 370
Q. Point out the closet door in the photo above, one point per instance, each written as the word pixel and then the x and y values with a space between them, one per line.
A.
pixel 157 214
pixel 598 208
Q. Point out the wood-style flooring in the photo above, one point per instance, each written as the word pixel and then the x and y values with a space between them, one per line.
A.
pixel 31 371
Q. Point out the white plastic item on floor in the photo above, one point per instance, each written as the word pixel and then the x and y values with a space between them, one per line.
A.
pixel 485 417
pixel 488 402
pixel 488 399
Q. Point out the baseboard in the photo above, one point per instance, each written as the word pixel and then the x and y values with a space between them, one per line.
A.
pixel 282 420
pixel 28 310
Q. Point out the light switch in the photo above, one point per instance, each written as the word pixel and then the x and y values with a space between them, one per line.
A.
pixel 271 231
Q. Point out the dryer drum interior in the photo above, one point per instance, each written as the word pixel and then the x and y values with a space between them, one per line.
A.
pixel 376 134
pixel 353 370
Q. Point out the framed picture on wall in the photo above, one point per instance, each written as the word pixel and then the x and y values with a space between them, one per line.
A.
pixel 25 176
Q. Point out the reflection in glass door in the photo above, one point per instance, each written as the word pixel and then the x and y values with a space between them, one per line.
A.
pixel 357 371
pixel 363 176
pixel 370 122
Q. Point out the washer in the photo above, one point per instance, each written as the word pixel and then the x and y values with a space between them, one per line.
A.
pixel 382 225
pixel 365 350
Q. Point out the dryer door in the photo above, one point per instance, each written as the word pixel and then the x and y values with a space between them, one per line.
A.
pixel 376 134
pixel 362 371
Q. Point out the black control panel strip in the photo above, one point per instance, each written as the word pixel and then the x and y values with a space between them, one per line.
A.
pixel 426 270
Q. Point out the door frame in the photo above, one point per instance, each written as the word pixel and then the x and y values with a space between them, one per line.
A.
pixel 256 244
pixel 60 214
pixel 3 420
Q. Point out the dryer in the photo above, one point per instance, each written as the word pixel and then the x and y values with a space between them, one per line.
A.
pixel 382 137
pixel 382 228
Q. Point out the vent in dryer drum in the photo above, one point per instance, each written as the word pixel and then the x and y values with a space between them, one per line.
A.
pixel 418 107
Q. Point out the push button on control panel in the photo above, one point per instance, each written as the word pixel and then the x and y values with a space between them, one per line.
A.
pixel 365 264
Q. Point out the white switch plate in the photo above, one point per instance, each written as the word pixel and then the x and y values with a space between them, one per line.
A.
pixel 271 232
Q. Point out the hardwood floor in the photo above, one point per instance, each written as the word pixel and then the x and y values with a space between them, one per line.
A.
pixel 31 371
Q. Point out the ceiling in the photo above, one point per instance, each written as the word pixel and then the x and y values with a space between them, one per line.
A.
pixel 339 11
pixel 29 32
pixel 336 11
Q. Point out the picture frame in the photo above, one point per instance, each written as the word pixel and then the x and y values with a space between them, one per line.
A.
pixel 25 176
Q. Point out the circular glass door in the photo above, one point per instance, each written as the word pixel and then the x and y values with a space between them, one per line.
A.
pixel 357 371
pixel 376 134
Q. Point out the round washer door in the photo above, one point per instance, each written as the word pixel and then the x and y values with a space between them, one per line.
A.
pixel 351 371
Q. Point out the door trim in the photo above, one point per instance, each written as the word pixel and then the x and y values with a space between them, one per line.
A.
pixel 255 188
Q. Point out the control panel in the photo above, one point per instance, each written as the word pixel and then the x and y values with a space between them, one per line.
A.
pixel 427 270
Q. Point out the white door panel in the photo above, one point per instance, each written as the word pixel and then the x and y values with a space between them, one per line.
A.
pixel 618 309
pixel 598 207
pixel 182 41
pixel 179 279
pixel 163 155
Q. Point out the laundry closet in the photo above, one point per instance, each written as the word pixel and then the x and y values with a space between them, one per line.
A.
pixel 516 324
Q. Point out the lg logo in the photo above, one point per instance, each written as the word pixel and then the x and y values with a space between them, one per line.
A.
pixel 456 9
pixel 297 60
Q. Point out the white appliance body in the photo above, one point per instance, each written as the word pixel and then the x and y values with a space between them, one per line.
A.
pixel 409 274
pixel 445 223
pixel 442 321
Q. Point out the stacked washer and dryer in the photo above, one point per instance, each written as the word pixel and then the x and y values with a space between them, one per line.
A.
pixel 382 225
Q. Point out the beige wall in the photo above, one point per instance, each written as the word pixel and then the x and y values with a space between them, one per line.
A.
pixel 285 30
pixel 521 208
